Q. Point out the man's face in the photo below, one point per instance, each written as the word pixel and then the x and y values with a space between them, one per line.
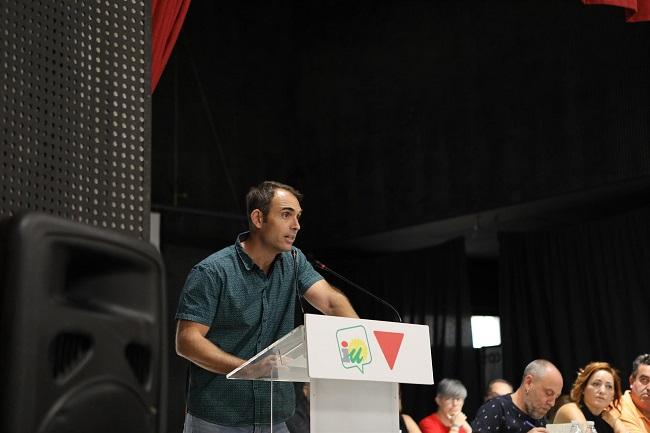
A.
pixel 542 392
pixel 278 229
pixel 639 388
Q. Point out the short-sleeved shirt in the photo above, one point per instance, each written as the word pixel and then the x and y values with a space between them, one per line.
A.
pixel 246 311
pixel 631 417
pixel 500 415
pixel 433 424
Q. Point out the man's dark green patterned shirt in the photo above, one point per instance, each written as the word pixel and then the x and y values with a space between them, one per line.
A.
pixel 246 311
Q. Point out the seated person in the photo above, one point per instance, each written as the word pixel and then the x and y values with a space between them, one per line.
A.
pixel 407 424
pixel 449 417
pixel 524 410
pixel 497 387
pixel 594 395
pixel 635 403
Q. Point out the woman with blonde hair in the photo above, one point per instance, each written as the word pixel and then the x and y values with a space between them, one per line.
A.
pixel 595 397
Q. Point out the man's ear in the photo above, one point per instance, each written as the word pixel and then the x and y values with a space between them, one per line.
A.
pixel 528 382
pixel 257 218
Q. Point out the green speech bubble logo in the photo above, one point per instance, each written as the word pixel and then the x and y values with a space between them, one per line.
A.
pixel 354 347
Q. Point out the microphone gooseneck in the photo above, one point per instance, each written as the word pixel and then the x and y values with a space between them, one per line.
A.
pixel 321 266
pixel 295 280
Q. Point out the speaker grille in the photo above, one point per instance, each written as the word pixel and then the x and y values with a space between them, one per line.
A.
pixel 68 351
pixel 74 104
pixel 139 358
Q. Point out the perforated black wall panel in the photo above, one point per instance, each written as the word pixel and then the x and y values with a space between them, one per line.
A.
pixel 75 110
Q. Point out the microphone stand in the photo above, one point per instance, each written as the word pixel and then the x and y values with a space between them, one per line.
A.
pixel 321 266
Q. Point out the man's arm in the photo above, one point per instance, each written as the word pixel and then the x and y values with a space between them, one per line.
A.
pixel 192 344
pixel 329 300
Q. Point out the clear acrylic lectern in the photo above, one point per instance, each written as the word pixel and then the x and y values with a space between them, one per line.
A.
pixel 354 367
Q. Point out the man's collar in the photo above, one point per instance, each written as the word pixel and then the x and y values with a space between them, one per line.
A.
pixel 249 264
pixel 243 255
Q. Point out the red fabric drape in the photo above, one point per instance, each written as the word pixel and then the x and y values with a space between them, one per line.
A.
pixel 167 20
pixel 635 10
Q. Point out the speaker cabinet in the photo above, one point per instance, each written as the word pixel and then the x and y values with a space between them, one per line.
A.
pixel 491 364
pixel 83 334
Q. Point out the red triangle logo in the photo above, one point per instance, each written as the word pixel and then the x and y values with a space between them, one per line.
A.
pixel 390 343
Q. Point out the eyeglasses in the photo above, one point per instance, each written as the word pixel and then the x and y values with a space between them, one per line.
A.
pixel 453 399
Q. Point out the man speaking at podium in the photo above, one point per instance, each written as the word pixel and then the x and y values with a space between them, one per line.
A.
pixel 238 301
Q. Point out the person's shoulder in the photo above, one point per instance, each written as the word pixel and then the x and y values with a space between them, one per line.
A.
pixel 627 407
pixel 407 417
pixel 218 260
pixel 429 419
pixel 499 401
pixel 570 406
pixel 568 412
pixel 626 401
pixel 410 424
pixel 626 396
pixel 496 405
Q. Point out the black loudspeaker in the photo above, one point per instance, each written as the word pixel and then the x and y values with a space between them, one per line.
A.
pixel 491 364
pixel 84 329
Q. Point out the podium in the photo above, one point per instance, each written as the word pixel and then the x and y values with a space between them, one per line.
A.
pixel 354 367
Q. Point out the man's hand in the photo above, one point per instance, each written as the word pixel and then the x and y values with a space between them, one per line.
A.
pixel 264 367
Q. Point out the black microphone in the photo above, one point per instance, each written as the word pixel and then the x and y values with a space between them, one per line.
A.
pixel 320 265
pixel 295 279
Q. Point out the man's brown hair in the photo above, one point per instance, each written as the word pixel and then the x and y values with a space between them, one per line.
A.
pixel 260 196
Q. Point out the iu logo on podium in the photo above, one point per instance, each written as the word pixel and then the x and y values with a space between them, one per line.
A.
pixel 354 347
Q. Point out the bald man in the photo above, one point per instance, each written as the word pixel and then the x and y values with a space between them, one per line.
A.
pixel 522 411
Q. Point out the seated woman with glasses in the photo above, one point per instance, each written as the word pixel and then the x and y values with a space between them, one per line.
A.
pixel 449 418
pixel 595 397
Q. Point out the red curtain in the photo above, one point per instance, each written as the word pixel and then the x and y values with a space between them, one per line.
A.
pixel 635 10
pixel 168 17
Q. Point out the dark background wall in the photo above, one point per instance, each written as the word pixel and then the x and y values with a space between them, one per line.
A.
pixel 437 109
pixel 441 109
pixel 392 115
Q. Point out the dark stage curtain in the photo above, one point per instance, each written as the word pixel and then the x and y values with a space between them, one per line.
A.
pixel 576 294
pixel 635 10
pixel 429 287
pixel 166 23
